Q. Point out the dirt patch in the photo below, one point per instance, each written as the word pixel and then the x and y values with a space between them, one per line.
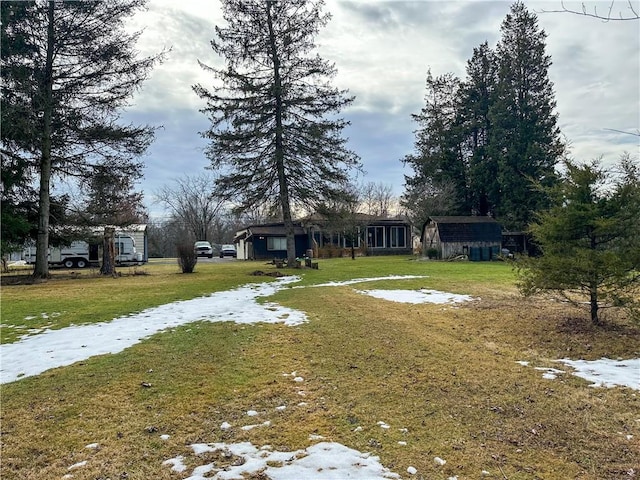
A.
pixel 260 273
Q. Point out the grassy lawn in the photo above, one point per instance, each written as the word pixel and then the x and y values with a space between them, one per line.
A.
pixel 444 379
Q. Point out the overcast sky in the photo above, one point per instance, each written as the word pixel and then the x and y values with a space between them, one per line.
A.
pixel 382 51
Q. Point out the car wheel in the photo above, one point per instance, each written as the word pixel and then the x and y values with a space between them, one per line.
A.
pixel 210 256
pixel 69 263
pixel 81 263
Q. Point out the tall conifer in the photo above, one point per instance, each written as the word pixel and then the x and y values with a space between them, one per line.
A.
pixel 275 135
pixel 525 139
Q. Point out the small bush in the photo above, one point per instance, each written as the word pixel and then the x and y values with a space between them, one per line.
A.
pixel 187 257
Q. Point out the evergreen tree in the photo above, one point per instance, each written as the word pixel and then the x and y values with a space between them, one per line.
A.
pixel 524 140
pixel 589 238
pixel 487 139
pixel 438 162
pixel 273 122
pixel 70 68
pixel 111 202
pixel 474 103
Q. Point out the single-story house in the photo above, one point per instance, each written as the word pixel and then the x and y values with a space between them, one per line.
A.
pixel 371 235
pixel 269 241
pixel 478 238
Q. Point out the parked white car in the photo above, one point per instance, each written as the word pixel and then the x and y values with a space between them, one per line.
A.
pixel 203 249
pixel 228 251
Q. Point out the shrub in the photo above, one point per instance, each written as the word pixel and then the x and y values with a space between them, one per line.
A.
pixel 187 257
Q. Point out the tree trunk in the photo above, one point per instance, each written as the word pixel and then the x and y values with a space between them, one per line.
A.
pixel 593 283
pixel 593 301
pixel 279 146
pixel 108 252
pixel 41 268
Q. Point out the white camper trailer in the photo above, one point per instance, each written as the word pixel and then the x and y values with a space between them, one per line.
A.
pixel 81 254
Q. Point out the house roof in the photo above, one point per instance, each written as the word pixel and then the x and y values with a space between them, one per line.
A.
pixel 278 230
pixel 466 229
pixel 269 230
pixel 361 218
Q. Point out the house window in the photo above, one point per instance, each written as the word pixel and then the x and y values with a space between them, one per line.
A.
pixel 398 237
pixel 336 239
pixel 276 243
pixel 375 237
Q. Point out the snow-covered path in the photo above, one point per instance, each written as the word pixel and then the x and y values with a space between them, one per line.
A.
pixel 55 348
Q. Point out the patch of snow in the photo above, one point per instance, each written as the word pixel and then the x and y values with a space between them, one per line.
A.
pixel 603 373
pixel 383 425
pixel 164 437
pixel 439 461
pixel 523 363
pixel 177 464
pixel 298 379
pixel 364 280
pixel 550 373
pixel 246 428
pixel 281 408
pixel 416 296
pixel 606 372
pixel 225 426
pixel 92 446
pixel 200 448
pixel 77 465
pixel 252 413
pixel 412 470
pixel 322 461
pixel 199 472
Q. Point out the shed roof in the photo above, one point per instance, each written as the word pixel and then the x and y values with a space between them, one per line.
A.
pixel 467 229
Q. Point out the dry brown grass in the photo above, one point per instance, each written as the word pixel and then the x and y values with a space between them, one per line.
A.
pixel 448 375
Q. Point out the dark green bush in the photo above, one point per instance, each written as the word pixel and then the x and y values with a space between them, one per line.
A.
pixel 187 257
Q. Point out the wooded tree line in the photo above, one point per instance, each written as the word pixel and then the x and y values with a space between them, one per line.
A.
pixel 482 141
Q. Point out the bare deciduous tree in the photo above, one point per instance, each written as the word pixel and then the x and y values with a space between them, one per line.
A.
pixel 191 201
pixel 609 13
pixel 376 199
